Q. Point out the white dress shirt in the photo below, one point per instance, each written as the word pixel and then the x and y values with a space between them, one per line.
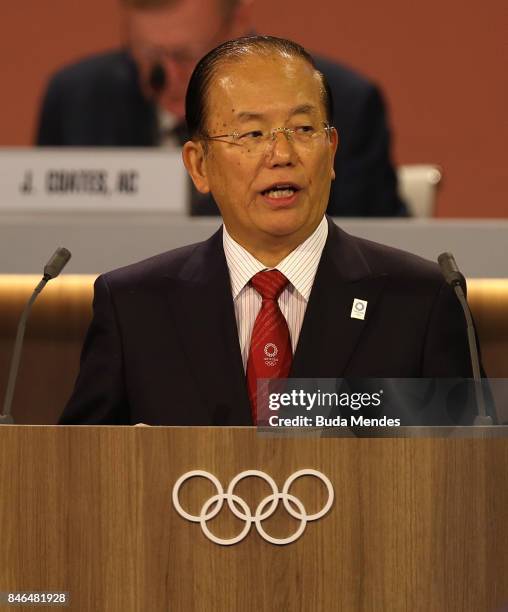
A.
pixel 299 267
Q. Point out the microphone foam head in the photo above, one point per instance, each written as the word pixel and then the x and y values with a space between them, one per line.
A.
pixel 450 270
pixel 157 78
pixel 57 262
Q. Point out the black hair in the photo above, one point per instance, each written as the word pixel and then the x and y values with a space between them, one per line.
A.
pixel 232 50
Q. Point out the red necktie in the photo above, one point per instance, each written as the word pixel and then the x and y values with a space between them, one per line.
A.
pixel 270 352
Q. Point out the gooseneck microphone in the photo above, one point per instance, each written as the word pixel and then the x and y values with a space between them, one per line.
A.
pixel 456 280
pixel 52 269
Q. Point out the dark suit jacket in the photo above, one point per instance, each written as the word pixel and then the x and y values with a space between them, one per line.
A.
pixel 98 102
pixel 163 345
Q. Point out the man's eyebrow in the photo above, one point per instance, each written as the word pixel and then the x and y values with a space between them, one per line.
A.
pixel 302 109
pixel 248 116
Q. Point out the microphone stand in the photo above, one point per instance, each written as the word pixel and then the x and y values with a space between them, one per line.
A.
pixel 52 269
pixel 6 416
pixel 482 418
pixel 455 279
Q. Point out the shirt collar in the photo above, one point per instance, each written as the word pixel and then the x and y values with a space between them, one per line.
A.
pixel 299 267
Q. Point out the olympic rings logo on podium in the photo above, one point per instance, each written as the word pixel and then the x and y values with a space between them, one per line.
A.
pixel 241 510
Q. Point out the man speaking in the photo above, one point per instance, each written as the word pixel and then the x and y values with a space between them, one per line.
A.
pixel 279 291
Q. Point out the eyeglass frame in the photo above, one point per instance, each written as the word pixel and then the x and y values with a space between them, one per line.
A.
pixel 287 131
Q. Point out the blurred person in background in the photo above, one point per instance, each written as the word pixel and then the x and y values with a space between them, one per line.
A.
pixel 134 96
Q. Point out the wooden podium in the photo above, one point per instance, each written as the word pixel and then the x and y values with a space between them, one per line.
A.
pixel 417 523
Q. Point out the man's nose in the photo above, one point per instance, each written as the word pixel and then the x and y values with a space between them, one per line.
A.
pixel 281 151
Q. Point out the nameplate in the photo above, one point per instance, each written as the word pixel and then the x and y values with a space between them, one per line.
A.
pixel 48 179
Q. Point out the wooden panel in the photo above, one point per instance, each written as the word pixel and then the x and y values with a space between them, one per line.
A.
pixel 60 317
pixel 417 524
pixel 62 310
pixel 53 340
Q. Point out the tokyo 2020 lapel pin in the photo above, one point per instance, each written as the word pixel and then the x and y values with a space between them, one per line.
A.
pixel 359 309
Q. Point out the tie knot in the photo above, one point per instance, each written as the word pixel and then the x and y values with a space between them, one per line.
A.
pixel 269 284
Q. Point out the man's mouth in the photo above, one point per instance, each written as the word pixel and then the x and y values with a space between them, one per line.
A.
pixel 280 190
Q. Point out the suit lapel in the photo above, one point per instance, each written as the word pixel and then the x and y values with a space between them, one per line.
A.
pixel 202 307
pixel 329 335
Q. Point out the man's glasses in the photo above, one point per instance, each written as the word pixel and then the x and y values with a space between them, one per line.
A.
pixel 261 142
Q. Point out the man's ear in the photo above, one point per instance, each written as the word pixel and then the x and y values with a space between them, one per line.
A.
pixel 334 145
pixel 193 156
